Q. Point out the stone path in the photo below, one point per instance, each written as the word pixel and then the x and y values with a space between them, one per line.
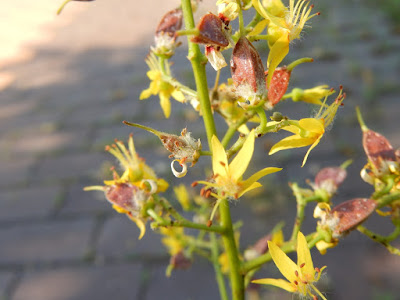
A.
pixel 65 100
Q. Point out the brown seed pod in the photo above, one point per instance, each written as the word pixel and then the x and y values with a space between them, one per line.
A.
pixel 211 32
pixel 334 174
pixel 123 195
pixel 180 261
pixel 279 84
pixel 377 148
pixel 247 67
pixel 170 23
pixel 352 213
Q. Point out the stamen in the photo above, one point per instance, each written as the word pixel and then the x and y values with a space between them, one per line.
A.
pixel 302 265
pixel 177 173
pixel 295 282
pixel 296 273
pixel 194 184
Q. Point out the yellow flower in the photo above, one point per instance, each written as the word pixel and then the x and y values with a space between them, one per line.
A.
pixel 301 276
pixel 313 95
pixel 129 193
pixel 173 239
pixel 228 177
pixel 158 86
pixel 182 195
pixel 309 131
pixel 284 26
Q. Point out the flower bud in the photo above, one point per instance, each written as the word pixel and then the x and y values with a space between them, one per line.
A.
pixel 248 71
pixel 378 149
pixel 126 196
pixel 278 85
pixel 329 179
pixel 227 12
pixel 180 261
pixel 351 214
pixel 313 95
pixel 211 32
pixel 165 36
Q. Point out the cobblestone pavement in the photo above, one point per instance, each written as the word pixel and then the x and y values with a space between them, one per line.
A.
pixel 67 99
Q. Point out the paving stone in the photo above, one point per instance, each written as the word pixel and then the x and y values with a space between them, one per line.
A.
pixel 81 283
pixel 120 239
pixel 13 172
pixel 195 283
pixel 28 203
pixel 5 280
pixel 69 166
pixel 50 143
pixel 78 201
pixel 45 242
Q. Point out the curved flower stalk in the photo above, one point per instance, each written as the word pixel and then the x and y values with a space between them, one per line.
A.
pixel 183 148
pixel 159 86
pixel 284 26
pixel 301 277
pixel 227 180
pixel 130 192
pixel 309 131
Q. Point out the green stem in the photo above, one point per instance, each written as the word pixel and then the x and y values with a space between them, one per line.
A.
pixel 382 239
pixel 388 199
pixel 62 6
pixel 301 205
pixel 294 64
pixel 218 273
pixel 198 61
pixel 193 31
pixel 236 278
pixel 240 17
pixel 263 121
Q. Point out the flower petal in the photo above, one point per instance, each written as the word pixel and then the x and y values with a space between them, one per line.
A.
pixel 253 178
pixel 285 265
pixel 241 161
pixel 251 187
pixel 219 159
pixel 304 256
pixel 313 125
pixel 281 283
pixel 145 94
pixel 165 104
pixel 309 150
pixel 259 27
pixel 291 142
pixel 140 224
pixel 178 96
pixel 277 53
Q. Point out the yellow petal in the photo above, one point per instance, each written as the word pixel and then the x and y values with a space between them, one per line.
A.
pixel 304 256
pixel 251 187
pixel 243 129
pixel 154 75
pixel 145 94
pixel 241 161
pixel 178 96
pixel 309 150
pixel 260 9
pixel 277 53
pixel 291 142
pixel 285 265
pixel 281 283
pixel 259 27
pixel 140 224
pixel 260 174
pixel 219 159
pixel 165 104
pixel 313 125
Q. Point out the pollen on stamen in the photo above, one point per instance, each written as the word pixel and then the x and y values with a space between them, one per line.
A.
pixel 295 282
pixel 202 192
pixel 302 265
pixel 222 163
pixel 317 270
pixel 107 148
pixel 296 273
pixel 194 184
pixel 209 223
pixel 304 282
pixel 207 194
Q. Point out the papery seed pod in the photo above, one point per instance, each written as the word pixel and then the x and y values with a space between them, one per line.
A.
pixel 247 69
pixel 180 261
pixel 336 175
pixel 127 196
pixel 211 32
pixel 351 214
pixel 170 23
pixel 377 148
pixel 279 84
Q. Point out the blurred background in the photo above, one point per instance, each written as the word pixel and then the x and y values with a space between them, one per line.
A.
pixel 68 81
